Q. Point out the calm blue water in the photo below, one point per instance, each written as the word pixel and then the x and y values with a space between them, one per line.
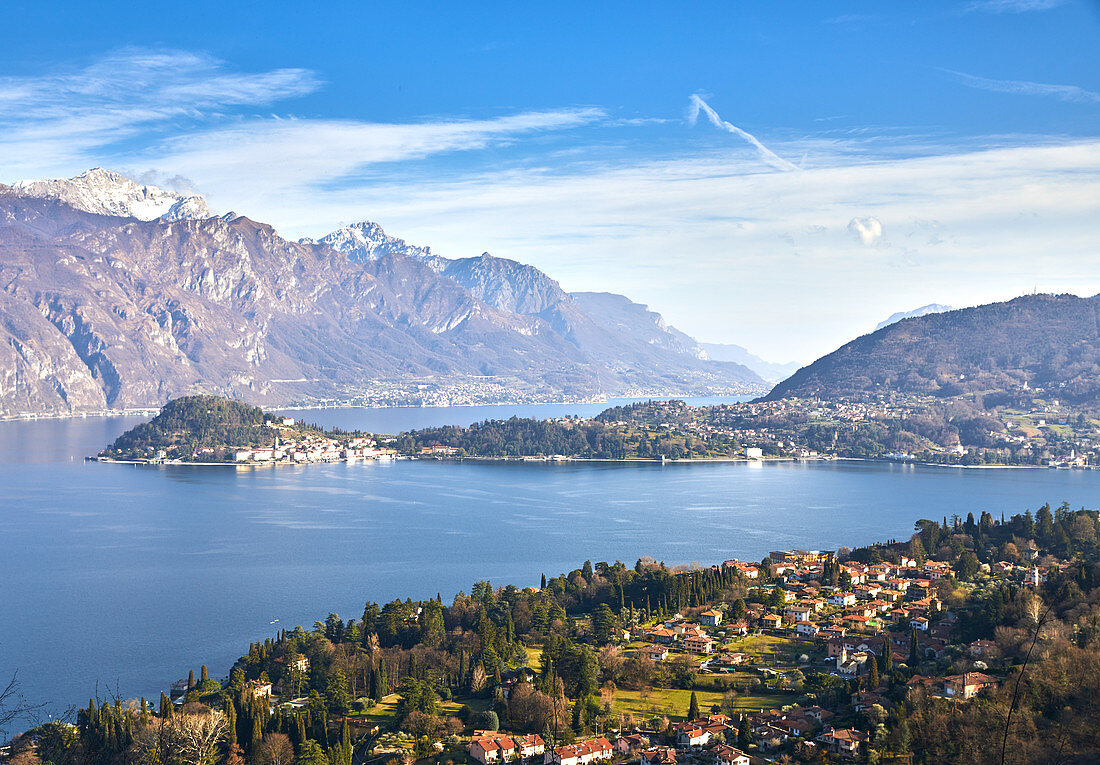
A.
pixel 128 577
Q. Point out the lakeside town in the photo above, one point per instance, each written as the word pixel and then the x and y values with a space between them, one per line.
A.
pixel 207 429
pixel 909 651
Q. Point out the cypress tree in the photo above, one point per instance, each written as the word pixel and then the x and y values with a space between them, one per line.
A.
pixel 191 680
pixel 231 722
pixel 257 729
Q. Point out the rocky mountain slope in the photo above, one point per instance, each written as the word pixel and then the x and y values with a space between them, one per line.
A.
pixel 103 311
pixel 1047 342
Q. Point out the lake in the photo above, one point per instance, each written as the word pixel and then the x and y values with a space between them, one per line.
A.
pixel 122 578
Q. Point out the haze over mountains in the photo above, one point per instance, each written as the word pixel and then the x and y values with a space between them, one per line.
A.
pixel 120 295
pixel 924 310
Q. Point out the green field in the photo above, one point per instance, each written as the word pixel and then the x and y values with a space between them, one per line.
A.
pixel 384 713
pixel 772 649
pixel 674 703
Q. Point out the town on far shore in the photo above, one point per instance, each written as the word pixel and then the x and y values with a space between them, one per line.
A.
pixel 903 651
pixel 907 429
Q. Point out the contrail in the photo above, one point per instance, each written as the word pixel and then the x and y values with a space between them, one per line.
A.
pixel 766 154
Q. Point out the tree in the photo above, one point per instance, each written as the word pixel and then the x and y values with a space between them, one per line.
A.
pixel 603 622
pixel 274 750
pixel 336 692
pixel 693 707
pixel 872 677
pixel 487 721
pixel 12 704
pixel 967 566
pixel 744 733
pixel 310 753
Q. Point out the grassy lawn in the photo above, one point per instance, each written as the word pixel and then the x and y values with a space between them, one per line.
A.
pixel 674 702
pixel 384 713
pixel 772 648
pixel 534 657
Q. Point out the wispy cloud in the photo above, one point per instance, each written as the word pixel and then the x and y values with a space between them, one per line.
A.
pixel 766 154
pixel 714 244
pixel 55 119
pixel 1070 93
pixel 702 235
pixel 196 111
pixel 315 152
pixel 1013 6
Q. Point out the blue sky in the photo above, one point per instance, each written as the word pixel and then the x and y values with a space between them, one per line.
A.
pixel 779 175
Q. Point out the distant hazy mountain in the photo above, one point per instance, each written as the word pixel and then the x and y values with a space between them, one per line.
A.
pixel 602 323
pixel 104 192
pixel 770 371
pixel 924 310
pixel 155 300
pixel 1041 341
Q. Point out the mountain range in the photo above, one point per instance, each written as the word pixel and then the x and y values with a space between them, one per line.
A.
pixel 115 294
pixel 1045 342
pixel 770 371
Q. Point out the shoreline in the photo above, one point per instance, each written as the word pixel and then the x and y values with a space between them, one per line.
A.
pixel 562 460
pixel 153 411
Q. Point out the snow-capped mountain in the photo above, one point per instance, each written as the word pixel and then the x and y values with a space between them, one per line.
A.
pixel 99 309
pixel 366 241
pixel 104 192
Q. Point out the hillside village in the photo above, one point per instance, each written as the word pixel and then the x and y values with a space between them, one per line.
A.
pixel 873 655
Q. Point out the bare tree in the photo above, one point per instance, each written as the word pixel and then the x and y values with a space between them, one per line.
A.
pixel 276 749
pixel 13 706
pixel 187 739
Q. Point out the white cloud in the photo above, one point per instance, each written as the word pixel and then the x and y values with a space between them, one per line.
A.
pixel 1014 6
pixel 866 230
pixel 59 119
pixel 314 152
pixel 719 247
pixel 701 237
pixel 766 154
pixel 1070 93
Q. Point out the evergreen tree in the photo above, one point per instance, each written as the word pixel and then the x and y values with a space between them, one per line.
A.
pixel 693 707
pixel 310 753
pixel 744 733
pixel 336 692
pixel 603 622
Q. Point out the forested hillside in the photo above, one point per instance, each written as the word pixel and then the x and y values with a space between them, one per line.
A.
pixel 195 422
pixel 1048 342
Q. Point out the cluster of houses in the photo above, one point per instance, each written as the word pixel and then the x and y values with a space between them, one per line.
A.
pixel 310 447
pixel 708 732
